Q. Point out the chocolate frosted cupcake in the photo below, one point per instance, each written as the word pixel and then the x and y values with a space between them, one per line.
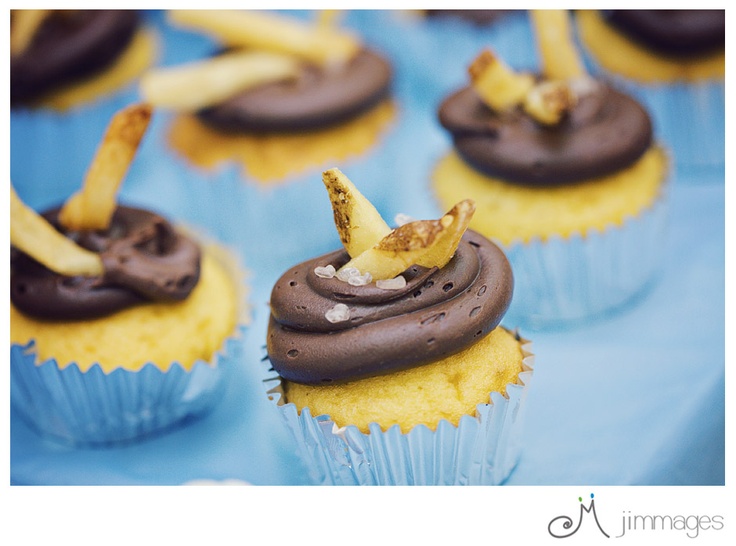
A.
pixel 121 325
pixel 278 103
pixel 70 71
pixel 408 378
pixel 565 175
pixel 674 62
pixel 65 58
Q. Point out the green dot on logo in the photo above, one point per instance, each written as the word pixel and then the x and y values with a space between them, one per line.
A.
pixel 580 499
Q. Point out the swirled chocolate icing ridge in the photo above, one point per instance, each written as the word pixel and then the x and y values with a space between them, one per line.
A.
pixel 681 33
pixel 605 132
pixel 144 259
pixel 439 313
pixel 317 98
pixel 69 46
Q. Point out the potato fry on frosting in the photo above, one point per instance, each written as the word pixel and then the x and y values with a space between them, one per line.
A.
pixel 92 207
pixel 323 45
pixel 36 237
pixel 550 101
pixel 358 223
pixel 560 58
pixel 427 243
pixel 211 81
pixel 497 84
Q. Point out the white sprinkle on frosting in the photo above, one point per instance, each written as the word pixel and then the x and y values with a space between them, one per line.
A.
pixel 582 86
pixel 396 283
pixel 345 273
pixel 326 272
pixel 402 219
pixel 339 313
pixel 360 280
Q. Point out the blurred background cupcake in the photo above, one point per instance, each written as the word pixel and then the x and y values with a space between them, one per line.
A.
pixel 674 62
pixel 565 175
pixel 70 71
pixel 391 366
pixel 281 97
pixel 121 325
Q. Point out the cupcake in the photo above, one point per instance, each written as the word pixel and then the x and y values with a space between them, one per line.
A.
pixel 121 325
pixel 566 177
pixel 64 58
pixel 70 71
pixel 674 61
pixel 278 101
pixel 392 367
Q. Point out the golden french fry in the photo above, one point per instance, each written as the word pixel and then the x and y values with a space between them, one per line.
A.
pixel 550 101
pixel 427 243
pixel 328 18
pixel 26 23
pixel 358 223
pixel 266 31
pixel 213 80
pixel 498 86
pixel 560 58
pixel 32 234
pixel 93 206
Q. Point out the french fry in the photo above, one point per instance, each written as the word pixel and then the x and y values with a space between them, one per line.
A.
pixel 560 58
pixel 358 223
pixel 26 23
pixel 550 101
pixel 214 80
pixel 261 30
pixel 498 86
pixel 427 243
pixel 32 234
pixel 328 18
pixel 93 206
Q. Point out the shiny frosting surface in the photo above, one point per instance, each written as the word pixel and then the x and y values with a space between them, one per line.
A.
pixel 317 98
pixel 440 312
pixel 69 46
pixel 144 259
pixel 606 131
pixel 673 32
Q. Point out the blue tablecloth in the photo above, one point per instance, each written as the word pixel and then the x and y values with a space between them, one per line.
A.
pixel 634 398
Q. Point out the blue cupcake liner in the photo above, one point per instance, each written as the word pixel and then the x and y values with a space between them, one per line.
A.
pixel 482 450
pixel 561 281
pixel 95 408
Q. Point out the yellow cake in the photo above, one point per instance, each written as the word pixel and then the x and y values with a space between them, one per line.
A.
pixel 513 213
pixel 446 389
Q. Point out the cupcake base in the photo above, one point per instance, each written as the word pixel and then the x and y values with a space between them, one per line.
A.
pixel 481 450
pixel 93 408
pixel 576 253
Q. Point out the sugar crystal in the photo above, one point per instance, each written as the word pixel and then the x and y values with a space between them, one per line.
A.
pixel 392 284
pixel 339 313
pixel 326 272
pixel 360 280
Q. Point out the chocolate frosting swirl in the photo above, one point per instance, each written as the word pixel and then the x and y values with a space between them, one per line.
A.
pixel 69 46
pixel 144 259
pixel 317 98
pixel 440 312
pixel 681 33
pixel 606 131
